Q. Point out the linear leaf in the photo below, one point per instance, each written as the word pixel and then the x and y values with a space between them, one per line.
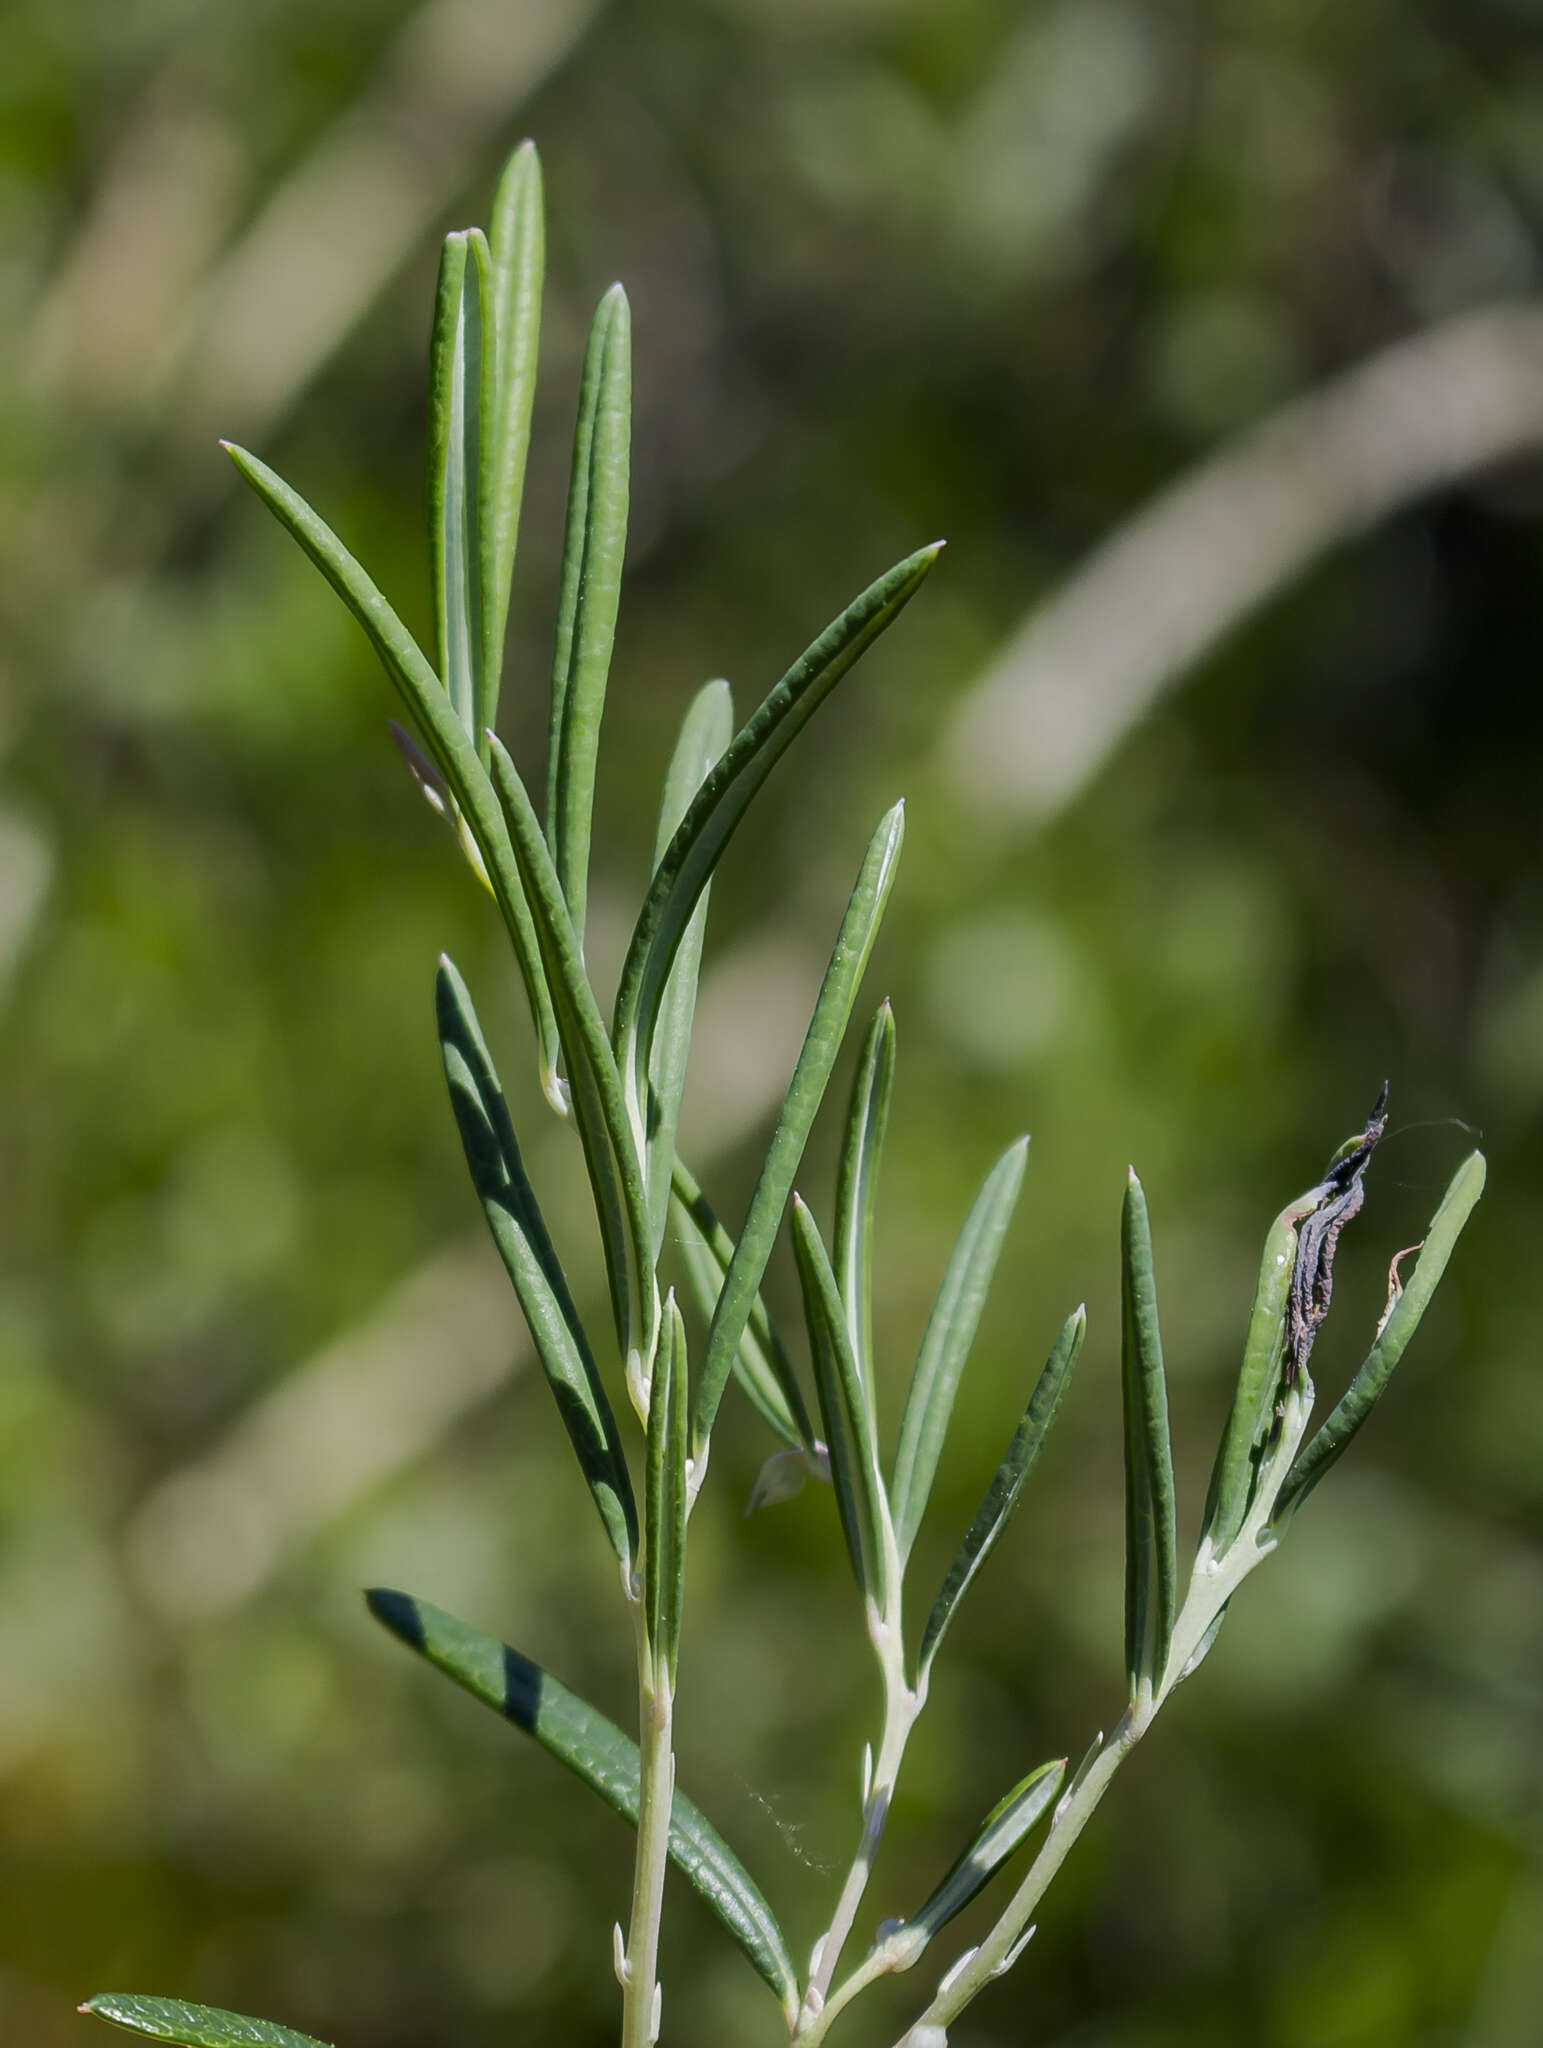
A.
pixel 615 1173
pixel 517 244
pixel 589 593
pixel 1252 1414
pixel 946 1344
pixel 1399 1325
pixel 509 1202
pixel 597 1751
pixel 822 1042
pixel 725 797
pixel 193 2026
pixel 462 336
pixel 1006 1488
pixel 448 745
pixel 761 1364
pixel 665 1552
pixel 998 1836
pixel 857 1186
pixel 704 733
pixel 846 1411
pixel 1150 1580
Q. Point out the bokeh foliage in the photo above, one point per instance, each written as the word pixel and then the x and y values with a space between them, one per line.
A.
pixel 898 268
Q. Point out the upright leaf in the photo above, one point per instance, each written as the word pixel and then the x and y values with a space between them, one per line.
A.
pixel 822 1042
pixel 589 593
pixel 846 1411
pixel 193 2026
pixel 995 1840
pixel 857 1185
pixel 517 243
pixel 1402 1319
pixel 596 1750
pixel 665 1551
pixel 703 736
pixel 509 1202
pixel 610 1158
pixel 1150 1579
pixel 462 337
pixel 442 733
pixel 1006 1488
pixel 725 797
pixel 946 1344
pixel 1252 1413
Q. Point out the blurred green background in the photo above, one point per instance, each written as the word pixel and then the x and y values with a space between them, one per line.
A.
pixel 1206 837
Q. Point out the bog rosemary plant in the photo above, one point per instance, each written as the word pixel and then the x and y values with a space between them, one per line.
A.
pixel 619 1084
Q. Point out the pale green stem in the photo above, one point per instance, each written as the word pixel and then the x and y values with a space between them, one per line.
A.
pixel 638 1964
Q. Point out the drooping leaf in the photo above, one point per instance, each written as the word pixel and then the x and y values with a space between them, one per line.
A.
pixel 665 1552
pixel 996 1839
pixel 1402 1319
pixel 846 1410
pixel 1150 1577
pixel 1006 1488
pixel 589 593
pixel 509 1202
pixel 462 336
pixel 946 1345
pixel 517 244
pixel 725 797
pixel 822 1043
pixel 704 734
pixel 193 2026
pixel 597 1751
pixel 857 1186
pixel 761 1364
pixel 443 735
pixel 610 1158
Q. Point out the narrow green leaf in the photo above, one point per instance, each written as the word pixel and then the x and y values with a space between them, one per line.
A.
pixel 1006 1488
pixel 597 1751
pixel 517 243
pixel 461 336
pixel 445 739
pixel 946 1344
pixel 589 593
pixel 725 797
pixel 845 1410
pixel 761 1364
pixel 509 1202
pixel 1399 1324
pixel 822 1042
pixel 193 2026
pixel 1150 1580
pixel 610 1158
pixel 1001 1833
pixel 1252 1415
pixel 857 1186
pixel 704 734
pixel 664 1554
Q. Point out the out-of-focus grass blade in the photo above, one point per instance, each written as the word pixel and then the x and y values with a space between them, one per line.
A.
pixel 448 745
pixel 857 1186
pixel 998 1836
pixel 462 336
pixel 946 1345
pixel 597 1751
pixel 1006 1488
pixel 1253 1403
pixel 1399 1325
pixel 589 593
pixel 193 2026
pixel 704 734
pixel 610 1158
pixel 664 1568
pixel 822 1042
pixel 1150 1579
pixel 725 797
pixel 761 1364
pixel 845 1409
pixel 517 244
pixel 498 1174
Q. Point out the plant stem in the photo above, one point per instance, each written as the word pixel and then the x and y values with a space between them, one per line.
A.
pixel 656 1794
